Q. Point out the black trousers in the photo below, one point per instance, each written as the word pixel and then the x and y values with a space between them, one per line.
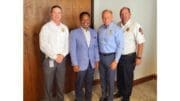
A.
pixel 125 74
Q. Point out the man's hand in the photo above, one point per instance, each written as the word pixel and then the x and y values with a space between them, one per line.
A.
pixel 138 61
pixel 76 68
pixel 97 65
pixel 113 65
pixel 59 58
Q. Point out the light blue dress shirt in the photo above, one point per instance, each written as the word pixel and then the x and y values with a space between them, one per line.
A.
pixel 111 40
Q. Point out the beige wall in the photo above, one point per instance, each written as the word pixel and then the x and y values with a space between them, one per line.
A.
pixel 144 12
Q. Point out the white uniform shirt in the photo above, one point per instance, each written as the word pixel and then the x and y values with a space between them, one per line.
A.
pixel 133 35
pixel 87 36
pixel 54 39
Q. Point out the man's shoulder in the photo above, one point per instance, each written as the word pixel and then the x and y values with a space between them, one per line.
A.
pixel 135 23
pixel 76 30
pixel 64 26
pixel 92 30
pixel 101 27
pixel 47 24
pixel 116 27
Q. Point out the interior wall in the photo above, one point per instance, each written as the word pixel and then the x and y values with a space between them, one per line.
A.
pixel 144 12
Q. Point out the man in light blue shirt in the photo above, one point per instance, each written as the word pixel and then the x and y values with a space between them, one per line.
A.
pixel 111 42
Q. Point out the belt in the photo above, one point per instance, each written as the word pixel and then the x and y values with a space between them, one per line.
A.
pixel 106 54
pixel 129 54
pixel 46 56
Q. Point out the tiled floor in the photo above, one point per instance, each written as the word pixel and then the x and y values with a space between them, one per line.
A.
pixel 143 92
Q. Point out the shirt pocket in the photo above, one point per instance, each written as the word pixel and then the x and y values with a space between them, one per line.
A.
pixel 129 36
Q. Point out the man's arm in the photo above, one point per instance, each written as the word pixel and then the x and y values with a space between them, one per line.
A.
pixel 120 45
pixel 45 47
pixel 96 51
pixel 72 42
pixel 139 53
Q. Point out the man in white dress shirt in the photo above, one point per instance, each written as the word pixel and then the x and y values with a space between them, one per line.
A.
pixel 131 54
pixel 54 43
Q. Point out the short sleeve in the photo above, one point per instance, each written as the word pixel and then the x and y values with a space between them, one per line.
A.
pixel 139 35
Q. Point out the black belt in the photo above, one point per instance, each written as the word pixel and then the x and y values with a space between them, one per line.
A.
pixel 129 54
pixel 106 54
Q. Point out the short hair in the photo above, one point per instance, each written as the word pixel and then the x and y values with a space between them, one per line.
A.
pixel 125 8
pixel 107 10
pixel 55 6
pixel 82 14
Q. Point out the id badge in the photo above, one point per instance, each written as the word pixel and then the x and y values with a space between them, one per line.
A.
pixel 51 63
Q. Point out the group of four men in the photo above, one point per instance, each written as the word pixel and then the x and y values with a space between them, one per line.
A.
pixel 112 46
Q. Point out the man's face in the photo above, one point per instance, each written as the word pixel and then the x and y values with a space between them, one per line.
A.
pixel 107 18
pixel 125 15
pixel 56 15
pixel 85 21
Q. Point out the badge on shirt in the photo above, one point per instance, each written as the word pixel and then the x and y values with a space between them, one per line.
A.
pixel 110 32
pixel 140 30
pixel 127 29
pixel 62 29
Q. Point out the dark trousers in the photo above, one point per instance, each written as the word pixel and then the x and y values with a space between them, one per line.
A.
pixel 87 78
pixel 107 76
pixel 56 73
pixel 125 74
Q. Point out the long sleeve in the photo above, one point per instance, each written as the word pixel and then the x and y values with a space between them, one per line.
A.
pixel 120 44
pixel 73 49
pixel 66 46
pixel 96 49
pixel 45 47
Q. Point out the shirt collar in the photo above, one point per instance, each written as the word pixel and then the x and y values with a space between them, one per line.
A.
pixel 54 24
pixel 108 25
pixel 126 23
pixel 84 30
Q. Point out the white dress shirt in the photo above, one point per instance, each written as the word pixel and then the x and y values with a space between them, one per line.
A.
pixel 54 39
pixel 133 35
pixel 87 36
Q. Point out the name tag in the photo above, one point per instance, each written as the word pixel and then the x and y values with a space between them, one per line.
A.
pixel 51 63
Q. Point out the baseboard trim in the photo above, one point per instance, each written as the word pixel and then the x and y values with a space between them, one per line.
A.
pixel 135 82
pixel 145 79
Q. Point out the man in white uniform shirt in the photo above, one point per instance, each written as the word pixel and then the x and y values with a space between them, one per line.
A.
pixel 131 54
pixel 54 43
